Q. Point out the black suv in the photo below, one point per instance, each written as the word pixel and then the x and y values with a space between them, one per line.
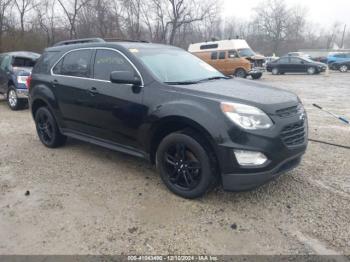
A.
pixel 163 104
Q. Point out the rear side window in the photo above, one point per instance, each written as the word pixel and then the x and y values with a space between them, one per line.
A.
pixel 75 63
pixel 107 61
pixel 45 62
pixel 222 55
pixel 214 55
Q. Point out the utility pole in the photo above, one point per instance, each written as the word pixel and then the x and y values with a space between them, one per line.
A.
pixel 342 40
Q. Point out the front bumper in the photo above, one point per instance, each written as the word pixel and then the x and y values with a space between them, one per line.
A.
pixel 256 70
pixel 22 93
pixel 283 145
pixel 242 182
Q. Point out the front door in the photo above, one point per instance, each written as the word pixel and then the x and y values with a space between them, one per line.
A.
pixel 118 108
pixel 297 65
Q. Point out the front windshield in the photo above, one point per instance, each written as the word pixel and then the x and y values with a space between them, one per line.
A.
pixel 172 65
pixel 245 52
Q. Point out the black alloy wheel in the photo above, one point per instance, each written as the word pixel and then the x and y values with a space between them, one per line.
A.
pixel 47 129
pixel 185 165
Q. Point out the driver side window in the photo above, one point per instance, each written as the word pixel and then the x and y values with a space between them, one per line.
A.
pixel 107 61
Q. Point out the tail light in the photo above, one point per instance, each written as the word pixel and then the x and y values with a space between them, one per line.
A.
pixel 29 79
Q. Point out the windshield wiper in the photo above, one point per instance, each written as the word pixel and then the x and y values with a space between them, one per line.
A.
pixel 214 78
pixel 182 83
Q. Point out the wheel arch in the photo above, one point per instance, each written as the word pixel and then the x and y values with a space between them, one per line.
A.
pixel 171 124
pixel 240 68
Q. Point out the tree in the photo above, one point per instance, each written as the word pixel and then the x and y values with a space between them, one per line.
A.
pixel 71 9
pixel 45 13
pixel 23 6
pixel 4 5
pixel 273 19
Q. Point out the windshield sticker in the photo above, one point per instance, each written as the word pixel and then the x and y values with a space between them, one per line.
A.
pixel 133 50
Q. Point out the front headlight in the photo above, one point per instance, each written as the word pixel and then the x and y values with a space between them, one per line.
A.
pixel 247 117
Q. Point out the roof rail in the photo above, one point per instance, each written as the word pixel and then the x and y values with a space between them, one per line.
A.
pixel 79 41
pixel 123 40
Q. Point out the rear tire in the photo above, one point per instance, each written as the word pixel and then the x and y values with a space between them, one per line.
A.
pixel 185 165
pixel 13 101
pixel 47 129
pixel 343 68
pixel 241 73
pixel 275 71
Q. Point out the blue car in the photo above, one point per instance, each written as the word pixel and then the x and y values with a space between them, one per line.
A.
pixel 338 57
pixel 15 68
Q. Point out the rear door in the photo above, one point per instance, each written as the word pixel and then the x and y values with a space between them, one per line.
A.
pixel 118 109
pixel 71 82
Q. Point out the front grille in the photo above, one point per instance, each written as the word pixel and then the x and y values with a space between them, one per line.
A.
pixel 257 63
pixel 289 111
pixel 294 134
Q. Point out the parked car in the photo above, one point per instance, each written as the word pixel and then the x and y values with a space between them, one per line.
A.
pixel 164 104
pixel 15 67
pixel 290 64
pixel 341 66
pixel 230 57
pixel 338 57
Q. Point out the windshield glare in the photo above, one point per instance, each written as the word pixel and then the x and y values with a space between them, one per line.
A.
pixel 244 52
pixel 175 65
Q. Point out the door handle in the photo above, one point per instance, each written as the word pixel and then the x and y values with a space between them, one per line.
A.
pixel 54 82
pixel 93 91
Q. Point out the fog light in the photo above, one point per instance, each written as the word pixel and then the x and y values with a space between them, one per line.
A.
pixel 250 158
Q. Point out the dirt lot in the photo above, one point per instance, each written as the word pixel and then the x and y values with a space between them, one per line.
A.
pixel 88 200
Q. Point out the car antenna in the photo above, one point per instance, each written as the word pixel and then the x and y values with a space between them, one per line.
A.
pixel 344 120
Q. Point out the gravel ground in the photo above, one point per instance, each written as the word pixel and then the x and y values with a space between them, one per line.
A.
pixel 88 200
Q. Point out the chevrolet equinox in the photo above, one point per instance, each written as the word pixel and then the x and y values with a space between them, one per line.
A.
pixel 161 103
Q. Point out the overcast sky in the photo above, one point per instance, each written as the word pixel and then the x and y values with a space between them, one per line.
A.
pixel 321 12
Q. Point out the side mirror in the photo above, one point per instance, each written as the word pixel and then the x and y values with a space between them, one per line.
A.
pixel 125 77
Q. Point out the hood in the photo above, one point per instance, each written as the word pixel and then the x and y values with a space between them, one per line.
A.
pixel 257 57
pixel 249 92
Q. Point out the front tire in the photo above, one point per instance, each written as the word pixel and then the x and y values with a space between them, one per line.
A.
pixel 343 68
pixel 257 76
pixel 311 70
pixel 47 128
pixel 241 73
pixel 185 165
